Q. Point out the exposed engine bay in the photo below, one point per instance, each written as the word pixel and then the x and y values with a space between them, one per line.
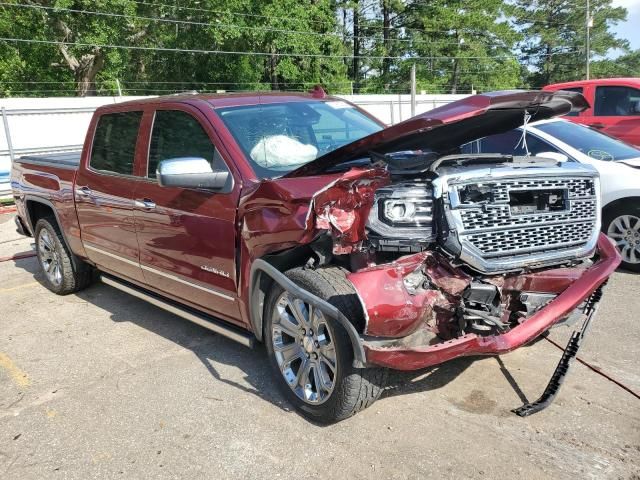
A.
pixel 440 247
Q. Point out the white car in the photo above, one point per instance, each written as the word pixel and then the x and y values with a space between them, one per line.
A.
pixel 617 162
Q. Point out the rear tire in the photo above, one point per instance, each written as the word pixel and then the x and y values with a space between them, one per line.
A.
pixel 335 390
pixel 622 225
pixel 61 276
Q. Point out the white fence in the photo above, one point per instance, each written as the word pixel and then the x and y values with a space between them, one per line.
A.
pixel 46 125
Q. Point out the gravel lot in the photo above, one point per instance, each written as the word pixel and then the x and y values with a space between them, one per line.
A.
pixel 102 385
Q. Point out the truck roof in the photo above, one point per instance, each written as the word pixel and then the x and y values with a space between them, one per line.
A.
pixel 219 100
pixel 595 81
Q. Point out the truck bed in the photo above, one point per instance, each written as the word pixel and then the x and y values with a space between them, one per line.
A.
pixel 61 159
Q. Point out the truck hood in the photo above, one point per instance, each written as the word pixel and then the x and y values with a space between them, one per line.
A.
pixel 444 129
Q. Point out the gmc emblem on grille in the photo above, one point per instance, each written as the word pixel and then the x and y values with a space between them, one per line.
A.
pixel 527 202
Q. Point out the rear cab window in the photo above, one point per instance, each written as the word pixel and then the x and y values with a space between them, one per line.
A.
pixel 114 143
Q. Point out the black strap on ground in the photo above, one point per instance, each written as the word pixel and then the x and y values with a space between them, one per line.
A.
pixel 570 352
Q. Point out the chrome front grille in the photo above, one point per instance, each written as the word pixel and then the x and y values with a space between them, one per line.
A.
pixel 540 238
pixel 577 187
pixel 496 233
pixel 500 215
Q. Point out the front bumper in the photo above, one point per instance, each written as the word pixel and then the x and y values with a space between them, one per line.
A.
pixel 388 353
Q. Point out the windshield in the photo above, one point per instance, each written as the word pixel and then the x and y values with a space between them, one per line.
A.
pixel 280 137
pixel 590 142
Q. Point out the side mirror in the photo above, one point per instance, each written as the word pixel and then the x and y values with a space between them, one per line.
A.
pixel 190 172
pixel 558 157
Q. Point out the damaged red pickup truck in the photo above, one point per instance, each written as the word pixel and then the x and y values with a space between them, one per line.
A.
pixel 346 247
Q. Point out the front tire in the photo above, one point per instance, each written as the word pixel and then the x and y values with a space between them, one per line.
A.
pixel 311 354
pixel 622 224
pixel 60 274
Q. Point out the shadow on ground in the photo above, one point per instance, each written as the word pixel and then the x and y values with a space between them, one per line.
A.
pixel 212 349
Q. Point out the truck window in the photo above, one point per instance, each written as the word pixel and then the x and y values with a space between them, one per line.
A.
pixel 177 134
pixel 617 101
pixel 114 143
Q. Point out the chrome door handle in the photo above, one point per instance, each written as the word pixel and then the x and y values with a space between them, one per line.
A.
pixel 145 203
pixel 83 191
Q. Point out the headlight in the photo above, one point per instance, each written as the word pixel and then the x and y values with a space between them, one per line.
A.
pixel 403 211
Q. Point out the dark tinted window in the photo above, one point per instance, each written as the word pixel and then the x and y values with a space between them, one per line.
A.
pixel 510 143
pixel 177 134
pixel 573 89
pixel 617 101
pixel 114 143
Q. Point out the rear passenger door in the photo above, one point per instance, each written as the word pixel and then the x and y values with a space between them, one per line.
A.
pixel 104 194
pixel 187 236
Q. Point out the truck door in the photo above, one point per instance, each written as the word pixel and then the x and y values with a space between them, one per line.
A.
pixel 187 236
pixel 104 193
pixel 617 112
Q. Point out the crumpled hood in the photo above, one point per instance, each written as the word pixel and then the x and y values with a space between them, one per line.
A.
pixel 446 128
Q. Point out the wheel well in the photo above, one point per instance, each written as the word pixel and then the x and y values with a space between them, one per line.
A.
pixel 36 211
pixel 620 202
pixel 263 283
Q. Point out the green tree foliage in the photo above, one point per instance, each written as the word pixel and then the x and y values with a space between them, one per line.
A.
pixel 627 65
pixel 467 44
pixel 365 45
pixel 554 33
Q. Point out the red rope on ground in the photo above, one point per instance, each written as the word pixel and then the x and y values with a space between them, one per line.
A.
pixel 18 256
pixel 597 370
pixel 7 209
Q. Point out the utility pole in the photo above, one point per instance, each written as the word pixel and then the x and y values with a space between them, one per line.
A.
pixel 413 90
pixel 588 24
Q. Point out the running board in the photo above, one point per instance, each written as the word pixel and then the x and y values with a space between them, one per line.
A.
pixel 245 338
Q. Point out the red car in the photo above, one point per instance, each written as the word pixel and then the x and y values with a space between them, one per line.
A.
pixel 346 247
pixel 614 106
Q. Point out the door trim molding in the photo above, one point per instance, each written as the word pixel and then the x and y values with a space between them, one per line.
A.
pixel 112 255
pixel 186 282
pixel 160 273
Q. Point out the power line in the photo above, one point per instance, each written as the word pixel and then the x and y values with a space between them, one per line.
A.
pixel 274 17
pixel 174 21
pixel 265 54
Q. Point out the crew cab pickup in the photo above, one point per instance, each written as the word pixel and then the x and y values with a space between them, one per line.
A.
pixel 346 247
pixel 614 106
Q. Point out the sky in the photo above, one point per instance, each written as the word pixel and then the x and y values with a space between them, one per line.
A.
pixel 630 29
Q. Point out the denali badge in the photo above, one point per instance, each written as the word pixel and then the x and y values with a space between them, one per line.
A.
pixel 207 268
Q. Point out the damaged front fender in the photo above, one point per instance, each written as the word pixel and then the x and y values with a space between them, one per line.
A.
pixel 415 291
pixel 343 206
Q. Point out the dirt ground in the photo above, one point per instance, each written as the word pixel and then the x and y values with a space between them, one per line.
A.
pixel 102 385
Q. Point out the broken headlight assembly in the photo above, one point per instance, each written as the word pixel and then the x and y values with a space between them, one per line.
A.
pixel 401 217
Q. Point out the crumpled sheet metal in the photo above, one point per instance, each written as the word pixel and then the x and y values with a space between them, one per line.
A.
pixel 391 311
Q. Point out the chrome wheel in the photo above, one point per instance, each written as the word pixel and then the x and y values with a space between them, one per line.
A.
pixel 625 231
pixel 304 349
pixel 49 258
